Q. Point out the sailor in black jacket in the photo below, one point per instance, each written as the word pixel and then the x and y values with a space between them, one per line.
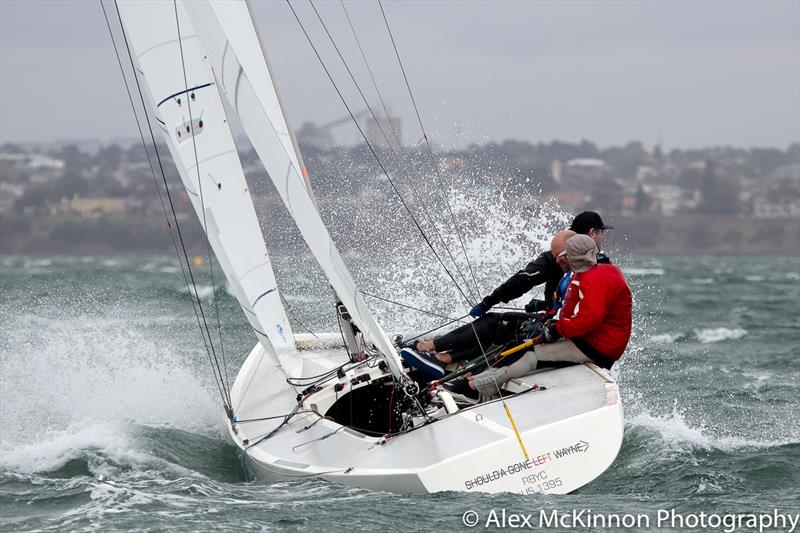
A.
pixel 492 329
pixel 544 269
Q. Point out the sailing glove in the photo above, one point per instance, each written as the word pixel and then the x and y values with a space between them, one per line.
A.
pixel 479 310
pixel 550 333
pixel 535 305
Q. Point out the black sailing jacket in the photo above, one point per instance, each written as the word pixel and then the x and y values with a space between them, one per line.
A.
pixel 543 269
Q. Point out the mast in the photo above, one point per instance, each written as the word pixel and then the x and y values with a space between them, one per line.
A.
pixel 239 63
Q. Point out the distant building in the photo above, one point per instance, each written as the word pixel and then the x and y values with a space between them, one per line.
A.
pixel 87 207
pixel 787 172
pixel 586 169
pixel 9 193
pixel 787 208
pixel 645 172
pixel 32 161
pixel 666 199
pixel 586 162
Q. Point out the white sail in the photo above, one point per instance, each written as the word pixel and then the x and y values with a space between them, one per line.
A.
pixel 228 34
pixel 204 152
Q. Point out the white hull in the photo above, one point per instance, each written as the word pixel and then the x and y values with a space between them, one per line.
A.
pixel 572 432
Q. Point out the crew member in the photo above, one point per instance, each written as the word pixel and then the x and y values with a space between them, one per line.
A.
pixel 594 327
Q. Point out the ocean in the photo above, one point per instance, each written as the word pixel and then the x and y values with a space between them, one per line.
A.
pixel 110 420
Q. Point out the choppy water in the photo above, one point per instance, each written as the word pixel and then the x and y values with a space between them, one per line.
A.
pixel 109 419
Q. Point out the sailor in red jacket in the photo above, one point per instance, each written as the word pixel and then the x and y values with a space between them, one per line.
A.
pixel 596 315
pixel 594 326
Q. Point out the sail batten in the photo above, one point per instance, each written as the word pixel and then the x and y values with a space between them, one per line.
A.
pixel 237 57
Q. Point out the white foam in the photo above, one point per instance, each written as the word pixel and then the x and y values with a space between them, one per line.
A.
pixel 632 271
pixel 53 450
pixel 702 281
pixel 204 292
pixel 793 276
pixel 32 263
pixel 754 278
pixel 676 433
pixel 719 334
pixel 665 338
pixel 65 370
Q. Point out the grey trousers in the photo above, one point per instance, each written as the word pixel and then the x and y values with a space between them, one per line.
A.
pixel 564 350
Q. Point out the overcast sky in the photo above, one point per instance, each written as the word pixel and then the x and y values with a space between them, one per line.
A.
pixel 694 73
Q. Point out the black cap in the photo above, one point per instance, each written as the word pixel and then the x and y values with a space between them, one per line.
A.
pixel 586 221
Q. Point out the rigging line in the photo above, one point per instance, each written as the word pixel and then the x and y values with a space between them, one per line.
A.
pixel 371 75
pixel 202 205
pixel 312 380
pixel 430 150
pixel 352 77
pixel 451 319
pixel 420 335
pixel 417 198
pixel 305 411
pixel 289 309
pixel 171 205
pixel 375 155
pixel 277 429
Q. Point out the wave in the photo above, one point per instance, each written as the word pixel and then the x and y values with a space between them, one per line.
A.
pixel 204 292
pixel 665 338
pixel 70 369
pixel 676 432
pixel 90 441
pixel 719 334
pixel 702 281
pixel 38 263
pixel 705 336
pixel 757 378
pixel 631 271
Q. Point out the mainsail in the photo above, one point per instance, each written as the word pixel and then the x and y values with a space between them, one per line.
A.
pixel 181 86
pixel 228 34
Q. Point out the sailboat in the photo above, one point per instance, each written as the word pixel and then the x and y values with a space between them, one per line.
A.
pixel 351 413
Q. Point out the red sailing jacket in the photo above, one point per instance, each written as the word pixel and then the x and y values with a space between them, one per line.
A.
pixel 597 309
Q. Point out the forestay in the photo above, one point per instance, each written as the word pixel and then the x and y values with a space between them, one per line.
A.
pixel 238 60
pixel 190 112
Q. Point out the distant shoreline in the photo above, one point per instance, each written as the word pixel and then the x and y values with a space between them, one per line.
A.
pixel 637 235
